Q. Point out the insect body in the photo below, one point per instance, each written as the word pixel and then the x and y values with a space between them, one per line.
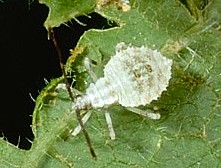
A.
pixel 134 76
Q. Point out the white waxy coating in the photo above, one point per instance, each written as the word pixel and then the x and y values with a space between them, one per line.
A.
pixel 134 76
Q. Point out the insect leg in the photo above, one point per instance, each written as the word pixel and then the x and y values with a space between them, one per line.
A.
pixel 87 65
pixel 78 129
pixel 149 114
pixel 110 125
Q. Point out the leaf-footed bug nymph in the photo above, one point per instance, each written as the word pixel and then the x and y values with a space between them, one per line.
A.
pixel 134 76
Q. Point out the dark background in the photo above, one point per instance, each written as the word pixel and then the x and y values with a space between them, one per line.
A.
pixel 27 58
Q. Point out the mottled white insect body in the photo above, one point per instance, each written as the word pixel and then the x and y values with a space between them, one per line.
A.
pixel 134 76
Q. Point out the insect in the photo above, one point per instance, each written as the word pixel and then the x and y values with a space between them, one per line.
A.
pixel 134 76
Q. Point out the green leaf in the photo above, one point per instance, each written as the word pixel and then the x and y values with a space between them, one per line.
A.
pixel 63 11
pixel 187 135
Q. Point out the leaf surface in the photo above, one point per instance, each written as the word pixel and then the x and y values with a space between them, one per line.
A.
pixel 187 135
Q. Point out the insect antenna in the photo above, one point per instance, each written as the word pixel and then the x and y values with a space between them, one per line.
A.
pixel 68 87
